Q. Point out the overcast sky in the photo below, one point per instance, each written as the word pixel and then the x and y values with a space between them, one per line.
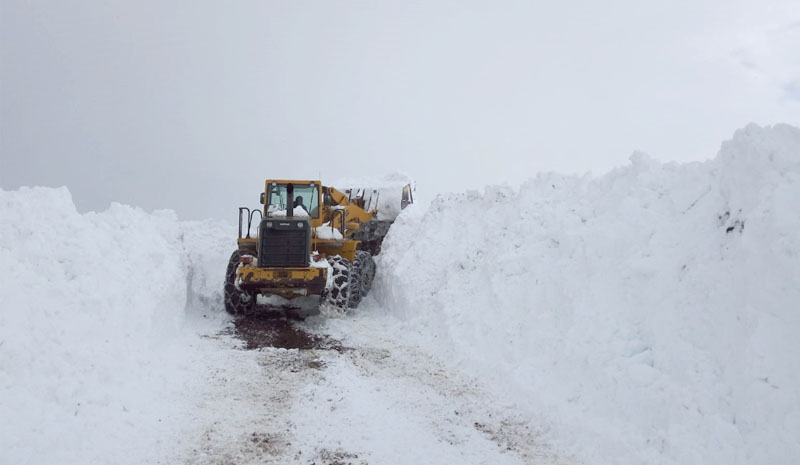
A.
pixel 191 104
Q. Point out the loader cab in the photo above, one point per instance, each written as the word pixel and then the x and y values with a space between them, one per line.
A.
pixel 292 198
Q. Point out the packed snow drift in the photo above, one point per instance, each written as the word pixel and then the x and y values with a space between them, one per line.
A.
pixel 92 351
pixel 650 315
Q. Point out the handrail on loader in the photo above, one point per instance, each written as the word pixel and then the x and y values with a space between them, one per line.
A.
pixel 249 215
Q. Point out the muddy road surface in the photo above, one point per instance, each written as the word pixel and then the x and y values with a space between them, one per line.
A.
pixel 288 392
pixel 264 331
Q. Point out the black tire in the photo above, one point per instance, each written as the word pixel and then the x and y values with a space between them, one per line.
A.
pixel 337 296
pixel 373 247
pixel 354 298
pixel 237 301
pixel 368 275
pixel 364 270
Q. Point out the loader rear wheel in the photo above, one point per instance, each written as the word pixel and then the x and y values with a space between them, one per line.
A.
pixel 337 296
pixel 364 273
pixel 372 247
pixel 368 274
pixel 237 301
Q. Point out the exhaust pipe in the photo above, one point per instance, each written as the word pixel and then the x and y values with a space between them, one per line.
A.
pixel 289 200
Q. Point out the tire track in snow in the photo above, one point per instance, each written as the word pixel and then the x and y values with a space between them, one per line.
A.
pixel 463 423
pixel 242 418
pixel 323 403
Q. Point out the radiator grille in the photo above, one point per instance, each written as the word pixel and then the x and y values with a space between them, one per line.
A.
pixel 283 248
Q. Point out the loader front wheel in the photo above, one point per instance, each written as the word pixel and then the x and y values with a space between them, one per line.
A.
pixel 237 301
pixel 337 296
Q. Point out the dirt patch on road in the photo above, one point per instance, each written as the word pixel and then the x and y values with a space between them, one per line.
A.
pixel 337 457
pixel 261 331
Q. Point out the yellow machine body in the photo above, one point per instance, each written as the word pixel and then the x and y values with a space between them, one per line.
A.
pixel 337 211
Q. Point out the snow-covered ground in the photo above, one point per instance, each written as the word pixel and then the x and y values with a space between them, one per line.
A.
pixel 115 350
pixel 645 316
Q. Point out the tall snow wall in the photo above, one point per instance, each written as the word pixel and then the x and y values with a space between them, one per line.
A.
pixel 650 315
pixel 90 306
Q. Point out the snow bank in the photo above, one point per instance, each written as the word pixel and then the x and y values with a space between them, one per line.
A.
pixel 92 307
pixel 207 247
pixel 650 315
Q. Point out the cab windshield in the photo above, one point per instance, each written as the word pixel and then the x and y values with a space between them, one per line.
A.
pixel 304 201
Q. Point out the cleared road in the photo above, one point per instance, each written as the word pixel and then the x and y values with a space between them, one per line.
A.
pixel 287 392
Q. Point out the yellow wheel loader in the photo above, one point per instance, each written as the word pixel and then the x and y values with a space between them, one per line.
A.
pixel 308 240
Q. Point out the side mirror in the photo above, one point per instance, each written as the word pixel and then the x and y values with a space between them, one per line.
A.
pixel 263 199
pixel 408 197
